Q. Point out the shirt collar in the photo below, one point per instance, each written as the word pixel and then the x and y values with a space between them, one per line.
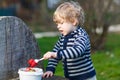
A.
pixel 72 32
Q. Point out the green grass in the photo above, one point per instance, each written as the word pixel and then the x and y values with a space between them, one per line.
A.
pixel 106 62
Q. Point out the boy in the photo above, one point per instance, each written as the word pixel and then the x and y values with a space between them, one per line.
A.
pixel 73 46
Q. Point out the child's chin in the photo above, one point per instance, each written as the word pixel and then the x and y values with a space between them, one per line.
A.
pixel 64 34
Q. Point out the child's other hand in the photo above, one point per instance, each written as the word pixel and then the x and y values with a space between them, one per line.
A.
pixel 47 74
pixel 49 55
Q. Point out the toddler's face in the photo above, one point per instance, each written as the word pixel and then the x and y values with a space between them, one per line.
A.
pixel 65 27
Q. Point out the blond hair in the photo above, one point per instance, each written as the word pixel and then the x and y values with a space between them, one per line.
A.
pixel 69 12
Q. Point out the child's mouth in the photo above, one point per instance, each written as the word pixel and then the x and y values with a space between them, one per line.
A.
pixel 61 31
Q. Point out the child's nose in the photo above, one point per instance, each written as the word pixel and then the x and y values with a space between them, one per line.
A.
pixel 58 26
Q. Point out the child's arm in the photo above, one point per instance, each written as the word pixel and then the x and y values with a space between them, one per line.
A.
pixel 81 44
pixel 52 63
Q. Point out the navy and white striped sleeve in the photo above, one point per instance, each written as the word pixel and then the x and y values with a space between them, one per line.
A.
pixel 80 45
pixel 57 46
pixel 52 63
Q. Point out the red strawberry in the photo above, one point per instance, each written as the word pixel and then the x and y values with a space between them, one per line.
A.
pixel 33 64
pixel 30 61
pixel 28 69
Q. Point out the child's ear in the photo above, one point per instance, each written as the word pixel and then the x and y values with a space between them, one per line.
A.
pixel 75 22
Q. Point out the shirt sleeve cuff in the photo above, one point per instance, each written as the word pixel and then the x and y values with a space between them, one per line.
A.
pixel 59 55
pixel 50 69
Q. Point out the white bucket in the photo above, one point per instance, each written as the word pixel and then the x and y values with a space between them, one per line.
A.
pixel 26 75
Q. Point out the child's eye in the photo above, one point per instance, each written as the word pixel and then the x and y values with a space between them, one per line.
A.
pixel 59 23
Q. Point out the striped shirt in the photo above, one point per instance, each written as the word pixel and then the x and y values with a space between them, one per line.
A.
pixel 74 51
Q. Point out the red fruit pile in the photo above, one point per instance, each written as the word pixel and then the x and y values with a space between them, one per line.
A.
pixel 29 69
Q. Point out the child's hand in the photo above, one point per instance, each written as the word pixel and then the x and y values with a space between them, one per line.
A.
pixel 50 55
pixel 47 74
